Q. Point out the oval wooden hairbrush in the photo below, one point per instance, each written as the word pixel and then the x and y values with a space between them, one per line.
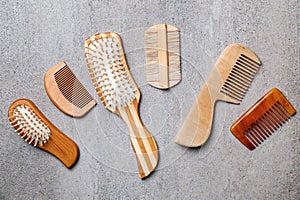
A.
pixel 37 130
pixel 262 119
pixel 118 92
pixel 228 81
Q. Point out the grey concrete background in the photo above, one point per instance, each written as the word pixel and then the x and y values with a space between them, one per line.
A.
pixel 36 35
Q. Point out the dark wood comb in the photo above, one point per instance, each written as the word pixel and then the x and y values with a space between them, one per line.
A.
pixel 66 92
pixel 262 119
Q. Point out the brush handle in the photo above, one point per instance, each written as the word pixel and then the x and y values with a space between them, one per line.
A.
pixel 62 147
pixel 197 125
pixel 142 141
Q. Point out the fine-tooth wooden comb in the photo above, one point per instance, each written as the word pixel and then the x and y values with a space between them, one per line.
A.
pixel 262 119
pixel 118 92
pixel 162 56
pixel 228 81
pixel 66 92
pixel 37 130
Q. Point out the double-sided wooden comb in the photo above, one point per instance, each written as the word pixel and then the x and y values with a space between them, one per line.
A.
pixel 37 130
pixel 162 56
pixel 118 92
pixel 262 119
pixel 228 81
pixel 66 92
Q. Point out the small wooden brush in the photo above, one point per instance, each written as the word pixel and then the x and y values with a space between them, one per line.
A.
pixel 118 92
pixel 228 81
pixel 262 119
pixel 162 56
pixel 66 92
pixel 37 130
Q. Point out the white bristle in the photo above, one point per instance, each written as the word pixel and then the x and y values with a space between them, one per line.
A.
pixel 107 67
pixel 30 127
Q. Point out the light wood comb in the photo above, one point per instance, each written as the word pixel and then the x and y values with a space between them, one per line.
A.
pixel 66 92
pixel 162 56
pixel 262 119
pixel 118 92
pixel 228 81
pixel 37 130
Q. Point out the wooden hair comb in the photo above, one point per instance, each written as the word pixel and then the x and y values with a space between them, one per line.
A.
pixel 228 81
pixel 37 130
pixel 66 92
pixel 262 119
pixel 162 56
pixel 118 92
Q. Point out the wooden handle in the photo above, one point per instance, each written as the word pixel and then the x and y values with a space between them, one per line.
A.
pixel 62 147
pixel 142 141
pixel 197 125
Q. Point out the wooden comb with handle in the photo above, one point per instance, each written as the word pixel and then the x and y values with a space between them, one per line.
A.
pixel 228 81
pixel 262 119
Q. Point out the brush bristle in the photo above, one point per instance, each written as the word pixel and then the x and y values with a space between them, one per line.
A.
pixel 108 70
pixel 266 124
pixel 29 125
pixel 240 78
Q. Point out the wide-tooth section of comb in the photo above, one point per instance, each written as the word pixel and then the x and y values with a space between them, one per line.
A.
pixel 29 125
pixel 240 77
pixel 108 69
pixel 71 88
pixel 162 56
pixel 262 119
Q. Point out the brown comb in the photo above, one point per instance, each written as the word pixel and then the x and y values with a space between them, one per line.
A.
pixel 37 130
pixel 66 92
pixel 262 119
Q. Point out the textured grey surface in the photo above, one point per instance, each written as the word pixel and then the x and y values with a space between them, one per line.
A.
pixel 36 35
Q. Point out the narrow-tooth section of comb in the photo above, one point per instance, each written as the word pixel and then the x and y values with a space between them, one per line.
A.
pixel 118 92
pixel 37 130
pixel 162 56
pixel 262 119
pixel 66 92
pixel 240 77
pixel 228 81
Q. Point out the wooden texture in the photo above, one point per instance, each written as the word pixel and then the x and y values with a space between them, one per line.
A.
pixel 262 119
pixel 66 92
pixel 228 81
pixel 59 145
pixel 142 141
pixel 162 56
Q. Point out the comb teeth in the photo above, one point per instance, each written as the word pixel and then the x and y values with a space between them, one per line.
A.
pixel 71 88
pixel 240 78
pixel 29 126
pixel 262 119
pixel 109 72
pixel 275 117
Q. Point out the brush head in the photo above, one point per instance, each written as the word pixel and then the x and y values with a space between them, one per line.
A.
pixel 236 67
pixel 66 92
pixel 109 71
pixel 262 119
pixel 28 124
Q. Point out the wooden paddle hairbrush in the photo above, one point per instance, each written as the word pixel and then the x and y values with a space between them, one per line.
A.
pixel 118 92
pixel 162 56
pixel 228 81
pixel 37 130
pixel 66 92
pixel 262 119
